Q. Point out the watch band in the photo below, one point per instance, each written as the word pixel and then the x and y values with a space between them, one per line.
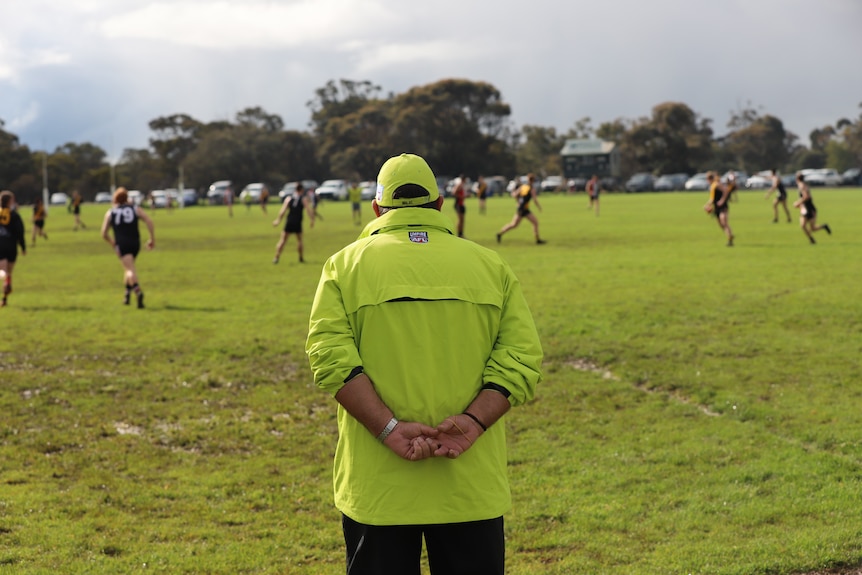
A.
pixel 387 430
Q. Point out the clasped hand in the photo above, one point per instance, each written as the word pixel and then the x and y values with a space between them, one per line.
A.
pixel 416 441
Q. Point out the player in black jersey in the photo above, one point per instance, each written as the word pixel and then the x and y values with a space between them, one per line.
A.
pixel 807 211
pixel 122 220
pixel 77 200
pixel 719 195
pixel 294 205
pixel 780 198
pixel 12 235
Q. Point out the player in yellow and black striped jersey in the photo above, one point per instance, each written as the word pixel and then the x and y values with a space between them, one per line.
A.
pixel 39 215
pixel 524 195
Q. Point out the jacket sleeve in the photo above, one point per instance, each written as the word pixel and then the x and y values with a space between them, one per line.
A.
pixel 516 359
pixel 331 346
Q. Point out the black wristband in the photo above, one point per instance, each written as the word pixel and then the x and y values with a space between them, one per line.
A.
pixel 476 419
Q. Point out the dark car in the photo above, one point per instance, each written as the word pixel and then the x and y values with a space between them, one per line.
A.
pixel 852 177
pixel 642 182
pixel 670 182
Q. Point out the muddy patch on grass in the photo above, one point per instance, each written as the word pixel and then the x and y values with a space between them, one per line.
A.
pixel 586 365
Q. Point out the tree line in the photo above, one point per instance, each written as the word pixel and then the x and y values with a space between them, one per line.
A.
pixel 460 126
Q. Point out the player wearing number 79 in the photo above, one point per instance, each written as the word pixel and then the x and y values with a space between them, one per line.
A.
pixel 122 219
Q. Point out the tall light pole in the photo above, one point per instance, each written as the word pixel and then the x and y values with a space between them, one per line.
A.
pixel 180 189
pixel 45 180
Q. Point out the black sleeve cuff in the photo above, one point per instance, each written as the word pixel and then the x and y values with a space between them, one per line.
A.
pixel 498 388
pixel 354 372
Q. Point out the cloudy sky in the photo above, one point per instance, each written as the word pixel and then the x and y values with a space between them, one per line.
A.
pixel 99 70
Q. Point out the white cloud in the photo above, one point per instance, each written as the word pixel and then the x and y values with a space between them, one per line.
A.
pixel 262 25
pixel 433 51
pixel 27 117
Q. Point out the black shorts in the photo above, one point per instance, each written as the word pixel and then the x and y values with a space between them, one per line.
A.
pixel 460 209
pixel 292 227
pixel 125 248
pixel 9 254
pixel 39 223
pixel 523 212
pixel 782 197
pixel 77 210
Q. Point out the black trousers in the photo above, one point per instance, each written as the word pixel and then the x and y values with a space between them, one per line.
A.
pixel 472 548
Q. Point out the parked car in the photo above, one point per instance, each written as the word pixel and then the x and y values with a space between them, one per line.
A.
pixel 741 177
pixel 58 199
pixel 670 182
pixel 552 184
pixel 642 182
pixel 697 182
pixel 577 184
pixel 158 199
pixel 104 198
pixel 290 187
pixel 823 177
pixel 216 192
pixel 251 193
pixel 852 177
pixel 611 184
pixel 332 190
pixel 188 197
pixel 789 180
pixel 759 181
pixel 369 190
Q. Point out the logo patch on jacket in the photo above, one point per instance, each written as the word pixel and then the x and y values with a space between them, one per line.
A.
pixel 418 237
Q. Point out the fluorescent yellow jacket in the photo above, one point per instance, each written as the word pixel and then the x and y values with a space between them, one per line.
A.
pixel 431 318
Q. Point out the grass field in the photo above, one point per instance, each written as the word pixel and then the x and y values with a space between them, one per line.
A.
pixel 700 412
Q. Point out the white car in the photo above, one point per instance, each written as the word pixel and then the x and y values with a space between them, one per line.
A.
pixel 697 182
pixel 251 193
pixel 369 190
pixel 823 177
pixel 332 190
pixel 552 184
pixel 104 198
pixel 59 199
pixel 136 197
pixel 760 180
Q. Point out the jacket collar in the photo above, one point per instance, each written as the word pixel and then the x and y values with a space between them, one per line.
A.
pixel 408 217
